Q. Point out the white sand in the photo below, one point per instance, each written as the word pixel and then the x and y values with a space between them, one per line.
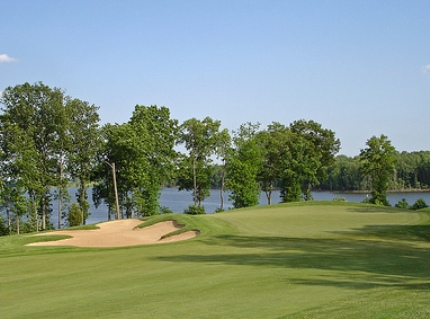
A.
pixel 119 233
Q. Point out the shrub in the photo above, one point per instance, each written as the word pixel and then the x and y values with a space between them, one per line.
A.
pixel 402 204
pixel 165 210
pixel 74 217
pixel 194 210
pixel 419 204
pixel 381 201
pixel 339 199
pixel 219 210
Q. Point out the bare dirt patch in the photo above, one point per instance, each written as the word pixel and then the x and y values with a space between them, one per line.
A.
pixel 119 233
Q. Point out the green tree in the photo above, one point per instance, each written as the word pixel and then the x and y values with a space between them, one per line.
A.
pixel 344 174
pixel 321 147
pixel 157 134
pixel 402 204
pixel 109 153
pixel 19 165
pixel 14 204
pixel 243 166
pixel 119 146
pixel 378 161
pixel 273 143
pixel 74 217
pixel 293 165
pixel 62 149
pixel 143 152
pixel 200 138
pixel 46 138
pixel 28 132
pixel 223 151
pixel 419 204
pixel 84 145
pixel 413 170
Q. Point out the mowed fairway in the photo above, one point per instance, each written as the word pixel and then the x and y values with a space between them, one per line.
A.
pixel 314 260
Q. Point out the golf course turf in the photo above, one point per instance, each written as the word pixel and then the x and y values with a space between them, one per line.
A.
pixel 299 260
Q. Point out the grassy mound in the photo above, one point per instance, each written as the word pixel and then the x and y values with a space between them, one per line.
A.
pixel 307 260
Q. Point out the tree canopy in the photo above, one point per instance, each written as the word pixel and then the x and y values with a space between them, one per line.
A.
pixel 378 161
pixel 201 139
pixel 44 136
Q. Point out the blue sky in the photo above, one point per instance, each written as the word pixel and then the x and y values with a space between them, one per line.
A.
pixel 360 68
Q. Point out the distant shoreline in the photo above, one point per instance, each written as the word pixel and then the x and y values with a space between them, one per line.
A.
pixel 369 191
pixel 339 191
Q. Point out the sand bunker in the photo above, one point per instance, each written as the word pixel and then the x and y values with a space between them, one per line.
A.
pixel 119 233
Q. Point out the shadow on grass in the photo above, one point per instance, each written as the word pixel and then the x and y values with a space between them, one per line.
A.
pixel 371 208
pixel 392 232
pixel 358 264
pixel 417 232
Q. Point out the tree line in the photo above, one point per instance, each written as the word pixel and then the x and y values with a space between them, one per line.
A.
pixel 411 172
pixel 48 139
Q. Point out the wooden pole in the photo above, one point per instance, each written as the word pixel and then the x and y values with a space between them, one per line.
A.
pixel 116 191
pixel 112 166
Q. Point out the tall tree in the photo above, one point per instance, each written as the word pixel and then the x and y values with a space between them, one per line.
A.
pixel 62 149
pixel 243 166
pixel 13 164
pixel 200 138
pixel 223 151
pixel 143 153
pixel 321 147
pixel 85 142
pixel 294 163
pixel 157 134
pixel 15 206
pixel 378 160
pixel 273 143
pixel 115 152
pixel 29 129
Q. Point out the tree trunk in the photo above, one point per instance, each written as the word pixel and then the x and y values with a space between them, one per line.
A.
pixel 115 189
pixel 132 206
pixel 43 213
pixel 17 225
pixel 9 229
pixel 44 207
pixel 82 199
pixel 36 218
pixel 195 181
pixel 222 186
pixel 269 196
pixel 60 195
pixel 308 195
pixel 60 205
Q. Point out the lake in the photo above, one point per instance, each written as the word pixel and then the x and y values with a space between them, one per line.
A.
pixel 177 201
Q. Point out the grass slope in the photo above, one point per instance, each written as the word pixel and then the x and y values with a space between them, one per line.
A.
pixel 313 260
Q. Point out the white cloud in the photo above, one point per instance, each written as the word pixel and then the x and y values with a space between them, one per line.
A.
pixel 426 69
pixel 5 58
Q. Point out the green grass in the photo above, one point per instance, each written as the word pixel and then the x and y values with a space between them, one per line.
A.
pixel 313 260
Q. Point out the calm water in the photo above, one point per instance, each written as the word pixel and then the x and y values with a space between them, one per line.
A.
pixel 177 201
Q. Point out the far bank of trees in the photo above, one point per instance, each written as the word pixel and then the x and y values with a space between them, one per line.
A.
pixel 48 139
pixel 411 172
